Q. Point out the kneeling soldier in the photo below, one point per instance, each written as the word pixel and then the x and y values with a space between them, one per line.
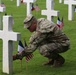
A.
pixel 47 38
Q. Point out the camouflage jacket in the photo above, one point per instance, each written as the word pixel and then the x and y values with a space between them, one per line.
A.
pixel 46 32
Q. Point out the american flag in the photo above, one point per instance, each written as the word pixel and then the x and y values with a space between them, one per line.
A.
pixel 30 55
pixel 22 48
pixel 37 7
pixel 2 4
pixel 21 1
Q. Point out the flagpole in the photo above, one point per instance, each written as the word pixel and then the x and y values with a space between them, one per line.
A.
pixel 0 21
pixel 21 65
pixel 26 66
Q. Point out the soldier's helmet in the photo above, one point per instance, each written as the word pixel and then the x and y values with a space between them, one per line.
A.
pixel 28 21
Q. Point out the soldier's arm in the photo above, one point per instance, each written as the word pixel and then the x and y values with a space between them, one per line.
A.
pixel 35 40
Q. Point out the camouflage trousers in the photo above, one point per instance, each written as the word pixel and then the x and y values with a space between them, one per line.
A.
pixel 52 49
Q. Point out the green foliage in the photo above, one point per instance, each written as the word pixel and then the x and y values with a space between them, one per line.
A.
pixel 34 66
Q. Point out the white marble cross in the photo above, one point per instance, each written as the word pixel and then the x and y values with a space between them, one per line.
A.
pixel 28 2
pixel 50 12
pixel 8 36
pixel 18 2
pixel 60 1
pixel 2 9
pixel 71 4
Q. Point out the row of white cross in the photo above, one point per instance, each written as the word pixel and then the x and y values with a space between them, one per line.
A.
pixel 8 36
pixel 50 12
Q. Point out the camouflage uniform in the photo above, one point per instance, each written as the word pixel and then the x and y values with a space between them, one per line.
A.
pixel 48 38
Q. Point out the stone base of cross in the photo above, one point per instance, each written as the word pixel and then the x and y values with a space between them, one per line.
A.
pixel 71 4
pixel 50 12
pixel 8 36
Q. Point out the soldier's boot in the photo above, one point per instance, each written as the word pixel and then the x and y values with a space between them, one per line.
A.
pixel 59 61
pixel 19 56
pixel 49 62
pixel 56 61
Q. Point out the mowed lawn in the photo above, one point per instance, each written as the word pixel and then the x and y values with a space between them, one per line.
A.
pixel 34 66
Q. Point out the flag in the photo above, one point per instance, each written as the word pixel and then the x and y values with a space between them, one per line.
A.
pixel 21 1
pixel 2 4
pixel 37 7
pixel 20 47
pixel 28 57
pixel 58 22
pixel 32 7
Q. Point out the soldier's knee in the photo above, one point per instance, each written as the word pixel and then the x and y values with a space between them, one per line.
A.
pixel 43 51
pixel 45 54
pixel 65 48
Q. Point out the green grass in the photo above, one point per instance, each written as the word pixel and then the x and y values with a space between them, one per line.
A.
pixel 34 66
